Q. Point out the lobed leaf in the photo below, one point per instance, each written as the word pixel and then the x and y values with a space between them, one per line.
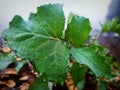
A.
pixel 91 57
pixel 78 30
pixel 54 16
pixel 53 61
pixel 38 41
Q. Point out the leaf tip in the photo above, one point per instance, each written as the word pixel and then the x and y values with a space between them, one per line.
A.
pixel 16 20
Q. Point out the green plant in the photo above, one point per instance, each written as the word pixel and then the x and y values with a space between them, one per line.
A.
pixel 111 25
pixel 43 41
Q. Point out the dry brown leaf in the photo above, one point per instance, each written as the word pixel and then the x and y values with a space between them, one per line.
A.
pixel 23 78
pixel 10 83
pixel 24 86
pixel 9 71
pixel 6 49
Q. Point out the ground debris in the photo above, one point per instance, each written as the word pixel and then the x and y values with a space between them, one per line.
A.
pixel 13 80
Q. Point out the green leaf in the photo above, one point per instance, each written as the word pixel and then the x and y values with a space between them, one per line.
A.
pixel 111 26
pixel 39 84
pixel 54 16
pixel 36 41
pixel 78 31
pixel 92 57
pixel 53 61
pixel 6 59
pixel 17 20
pixel 102 85
pixel 81 85
pixel 32 15
pixel 78 72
